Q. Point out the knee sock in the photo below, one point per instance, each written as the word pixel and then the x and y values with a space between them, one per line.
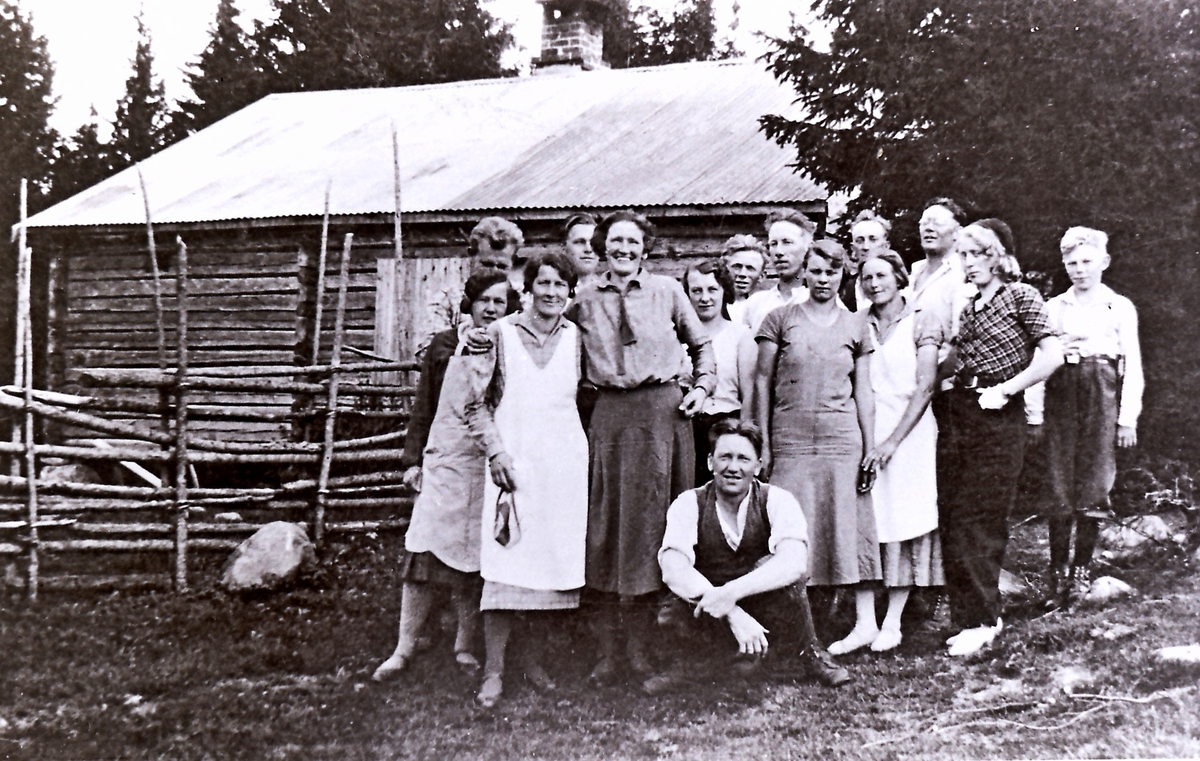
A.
pixel 1087 530
pixel 415 602
pixel 1060 541
pixel 466 606
pixel 497 625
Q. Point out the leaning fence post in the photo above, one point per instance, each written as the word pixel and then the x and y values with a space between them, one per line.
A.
pixel 335 361
pixel 19 348
pixel 181 419
pixel 25 332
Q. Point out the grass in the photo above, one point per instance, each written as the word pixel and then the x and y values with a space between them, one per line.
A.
pixel 152 675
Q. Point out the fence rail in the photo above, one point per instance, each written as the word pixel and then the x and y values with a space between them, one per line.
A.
pixel 57 516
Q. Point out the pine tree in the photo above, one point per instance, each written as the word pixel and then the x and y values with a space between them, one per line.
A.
pixel 648 38
pixel 223 80
pixel 80 162
pixel 140 125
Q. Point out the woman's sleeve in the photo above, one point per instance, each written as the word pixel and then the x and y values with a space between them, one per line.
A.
pixel 433 370
pixel 771 328
pixel 862 345
pixel 481 407
pixel 928 330
pixel 1032 313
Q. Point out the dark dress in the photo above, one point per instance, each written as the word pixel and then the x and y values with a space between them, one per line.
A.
pixel 816 443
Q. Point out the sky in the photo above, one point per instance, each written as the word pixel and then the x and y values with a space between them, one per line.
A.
pixel 92 42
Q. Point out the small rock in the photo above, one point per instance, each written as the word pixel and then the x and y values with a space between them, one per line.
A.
pixel 196 512
pixel 1129 538
pixel 1011 584
pixel 1186 654
pixel 1112 632
pixel 3 724
pixel 1072 679
pixel 228 517
pixel 652 736
pixel 133 700
pixel 275 556
pixel 1105 589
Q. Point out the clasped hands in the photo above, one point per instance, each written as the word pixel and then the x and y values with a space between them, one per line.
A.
pixel 751 636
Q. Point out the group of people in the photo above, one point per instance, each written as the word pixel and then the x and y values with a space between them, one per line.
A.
pixel 697 453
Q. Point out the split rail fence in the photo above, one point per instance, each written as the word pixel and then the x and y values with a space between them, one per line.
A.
pixel 91 516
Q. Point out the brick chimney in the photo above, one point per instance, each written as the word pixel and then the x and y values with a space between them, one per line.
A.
pixel 572 36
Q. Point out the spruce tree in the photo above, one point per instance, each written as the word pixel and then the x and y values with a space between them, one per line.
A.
pixel 223 80
pixel 140 125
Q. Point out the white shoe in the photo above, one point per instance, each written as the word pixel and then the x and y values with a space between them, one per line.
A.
pixel 971 641
pixel 888 639
pixel 856 640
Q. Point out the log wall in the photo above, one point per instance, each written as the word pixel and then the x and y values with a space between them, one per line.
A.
pixel 252 294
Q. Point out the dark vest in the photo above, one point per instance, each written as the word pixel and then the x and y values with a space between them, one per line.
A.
pixel 714 559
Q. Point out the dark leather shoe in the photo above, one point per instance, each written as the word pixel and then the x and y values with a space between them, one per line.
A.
pixel 605 671
pixel 660 684
pixel 820 664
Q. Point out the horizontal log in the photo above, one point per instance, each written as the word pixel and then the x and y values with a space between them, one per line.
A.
pixel 44 523
pixel 361 479
pixel 134 545
pixel 147 378
pixel 150 434
pixel 65 582
pixel 370 441
pixel 282 256
pixel 8 548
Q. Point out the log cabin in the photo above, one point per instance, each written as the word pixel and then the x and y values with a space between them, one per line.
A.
pixel 408 171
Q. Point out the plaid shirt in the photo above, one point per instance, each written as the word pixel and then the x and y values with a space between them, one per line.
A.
pixel 996 342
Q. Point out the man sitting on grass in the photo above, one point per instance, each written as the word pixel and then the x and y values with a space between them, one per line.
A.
pixel 735 557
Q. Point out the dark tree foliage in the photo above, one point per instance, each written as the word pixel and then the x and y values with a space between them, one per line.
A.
pixel 1044 113
pixel 80 162
pixel 646 37
pixel 335 44
pixel 224 79
pixel 26 143
pixel 140 127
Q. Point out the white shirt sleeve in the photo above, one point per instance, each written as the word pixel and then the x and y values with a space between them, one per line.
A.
pixel 786 517
pixel 1133 385
pixel 681 534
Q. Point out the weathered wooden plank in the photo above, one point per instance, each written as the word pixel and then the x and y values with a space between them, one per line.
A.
pixel 208 287
pixel 227 302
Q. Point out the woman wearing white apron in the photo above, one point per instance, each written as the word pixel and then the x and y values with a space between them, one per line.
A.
pixel 441 546
pixel 904 375
pixel 534 560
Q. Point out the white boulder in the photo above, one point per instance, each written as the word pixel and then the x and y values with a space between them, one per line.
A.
pixel 276 554
pixel 1106 589
pixel 1184 654
pixel 1127 539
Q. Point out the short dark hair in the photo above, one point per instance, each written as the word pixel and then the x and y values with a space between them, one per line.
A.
pixel 579 218
pixel 716 268
pixel 790 215
pixel 600 237
pixel 949 205
pixel 478 284
pixel 558 261
pixel 734 427
pixel 497 231
pixel 829 249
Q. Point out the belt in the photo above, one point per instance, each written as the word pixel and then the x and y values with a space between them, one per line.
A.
pixel 641 386
pixel 967 380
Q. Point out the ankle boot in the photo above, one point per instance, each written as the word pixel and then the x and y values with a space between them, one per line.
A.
pixel 637 622
pixel 815 658
pixel 605 627
pixel 1081 582
pixel 1060 587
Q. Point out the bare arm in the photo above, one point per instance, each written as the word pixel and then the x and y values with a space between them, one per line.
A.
pixel 864 401
pixel 1047 357
pixel 926 383
pixel 747 357
pixel 764 380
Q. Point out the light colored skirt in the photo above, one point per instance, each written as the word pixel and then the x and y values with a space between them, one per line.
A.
pixel 914 562
pixel 500 596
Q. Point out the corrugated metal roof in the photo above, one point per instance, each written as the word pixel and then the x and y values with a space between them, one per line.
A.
pixel 667 135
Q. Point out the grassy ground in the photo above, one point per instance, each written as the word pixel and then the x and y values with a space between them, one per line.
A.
pixel 152 675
